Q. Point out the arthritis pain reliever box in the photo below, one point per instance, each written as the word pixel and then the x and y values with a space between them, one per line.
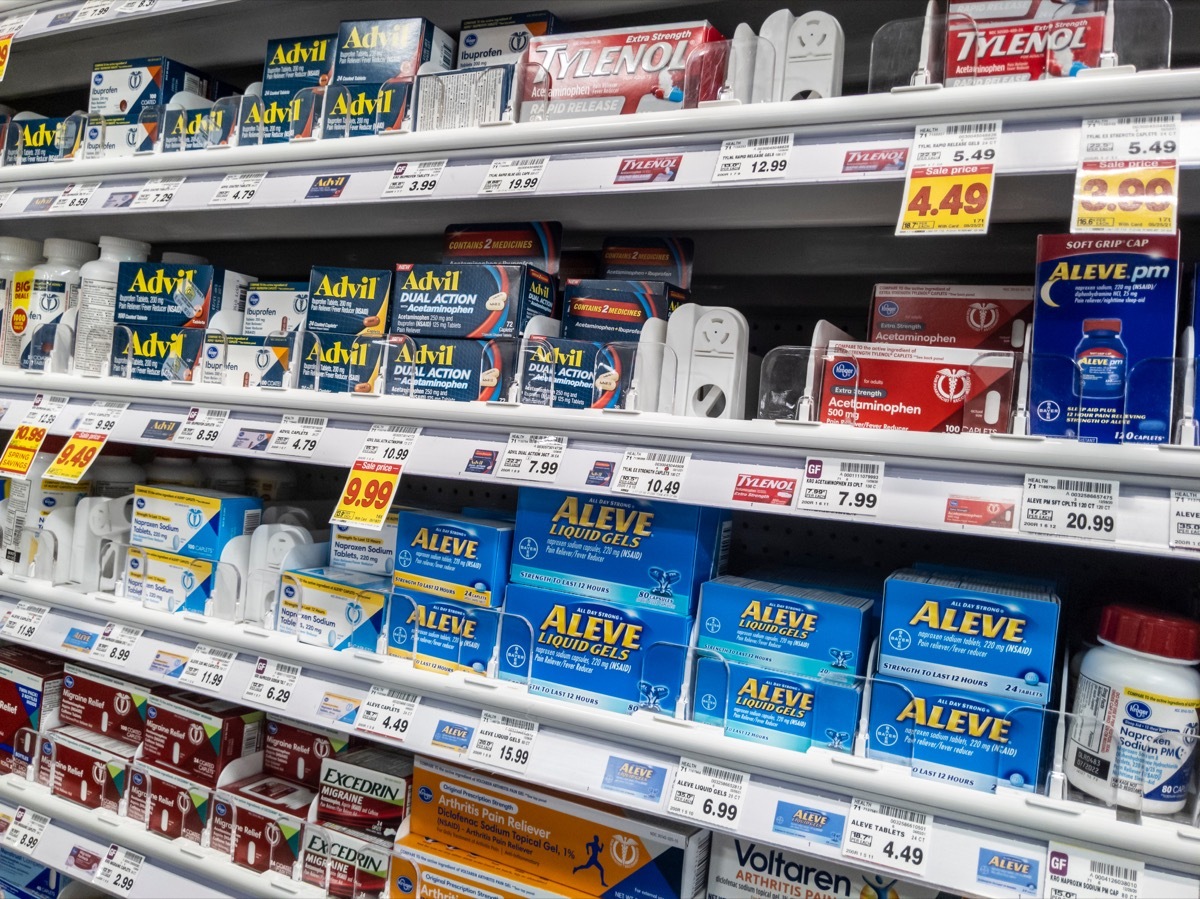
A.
pixel 367 791
pixel 350 301
pixel 618 549
pixel 169 804
pixel 466 98
pixel 509 243
pixel 197 736
pixel 336 608
pixel 293 64
pixel 452 557
pixel 258 822
pixel 775 709
pixel 970 631
pixel 1104 337
pixel 361 549
pixel 31 686
pixel 618 658
pixel 275 306
pixel 104 703
pixel 191 521
pixel 239 360
pixel 441 635
pixel 739 868
pixel 792 630
pixel 169 582
pixel 296 751
pixel 425 867
pixel 85 767
pixel 176 296
pixel 564 839
pixel 612 311
pixel 24 878
pixel 954 315
pixel 958 737
pixel 469 300
pixel 917 388
pixel 648 258
pixel 501 39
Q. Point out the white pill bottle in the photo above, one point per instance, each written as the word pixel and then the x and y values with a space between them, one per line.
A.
pixel 1133 741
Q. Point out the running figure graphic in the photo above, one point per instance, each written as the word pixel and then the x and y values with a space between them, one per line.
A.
pixel 594 848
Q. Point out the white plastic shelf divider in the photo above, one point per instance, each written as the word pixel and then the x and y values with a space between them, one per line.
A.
pixel 576 745
pixel 923 471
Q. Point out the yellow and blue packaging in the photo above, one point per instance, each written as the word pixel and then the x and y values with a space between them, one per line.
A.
pixel 46 140
pixel 468 300
pixel 452 557
pixel 348 301
pixel 443 368
pixel 191 521
pixel 607 311
pixel 363 549
pixel 334 607
pixel 561 374
pixel 293 64
pixel 169 582
pixel 441 635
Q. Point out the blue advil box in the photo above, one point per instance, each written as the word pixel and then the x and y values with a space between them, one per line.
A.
pixel 176 296
pixel 469 300
pixel 293 64
pixel 1104 337
pixel 599 654
pixel 618 549
pixel 441 635
pixel 435 368
pixel 572 374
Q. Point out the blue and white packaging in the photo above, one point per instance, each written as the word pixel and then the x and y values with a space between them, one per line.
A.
pixel 239 360
pixel 334 607
pixel 991 634
pixel 1104 337
pixel 561 374
pixel 441 635
pixel 274 306
pixel 363 549
pixel 158 352
pixel 47 140
pixel 775 709
pixel 177 296
pixel 502 39
pixel 191 521
pixel 471 300
pixel 792 630
pixel 341 363
pixel 958 737
pixel 21 877
pixel 348 301
pixel 618 549
pixel 466 98
pixel 452 557
pixel 169 582
pixel 606 656
pixel 293 64
pixel 443 368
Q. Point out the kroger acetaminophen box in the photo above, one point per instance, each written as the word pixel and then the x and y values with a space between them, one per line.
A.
pixel 199 736
pixel 952 315
pixel 430 868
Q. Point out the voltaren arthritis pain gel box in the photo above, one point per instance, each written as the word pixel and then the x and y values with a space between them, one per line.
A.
pixel 954 315
pixel 561 838
pixel 470 300
pixel 336 608
pixel 452 557
pixel 191 521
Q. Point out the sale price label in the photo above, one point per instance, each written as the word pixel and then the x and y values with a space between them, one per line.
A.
pixel 273 683
pixel 514 176
pixel 712 795
pixel 25 831
pixel 387 713
pixel 532 457
pixel 849 486
pixel 9 29
pixel 26 440
pixel 119 869
pixel 887 835
pixel 373 477
pixel 202 427
pixel 414 179
pixel 503 741
pixel 948 188
pixel 653 474
pixel 81 450
pixel 297 435
pixel 115 644
pixel 23 621
pixel 1070 507
pixel 207 668
pixel 237 189
pixel 1127 180
pixel 753 159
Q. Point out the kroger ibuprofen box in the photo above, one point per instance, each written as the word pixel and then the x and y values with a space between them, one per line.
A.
pixel 618 549
pixel 917 388
pixel 191 521
pixel 953 315
pixel 452 557
pixel 793 630
pixel 31 685
pixel 611 311
pixel 424 867
pixel 198 736
pixel 442 635
pixel 501 39
pixel 169 582
pixel 104 703
pixel 334 607
pixel 970 631
pixel 470 300
pixel 567 840
pixel 367 791
pixel 239 360
pixel 296 751
pixel 275 306
pixel 293 64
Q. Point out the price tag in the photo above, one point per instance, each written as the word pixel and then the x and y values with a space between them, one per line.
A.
pixel 503 741
pixel 948 188
pixel 237 189
pixel 115 644
pixel 9 29
pixel 157 193
pixel 207 668
pixel 841 485
pixel 26 830
pixel 5 194
pixel 92 10
pixel 1127 180
pixel 709 794
pixel 26 440
pixel 414 179
pixel 1185 520
pixel 272 683
pixel 373 478
pixel 653 474
pixel 1070 507
pixel 118 869
pixel 887 835
pixel 753 159
pixel 74 196
pixel 1077 872
pixel 23 621
pixel 532 457
pixel 202 427
pixel 514 176
pixel 297 435
pixel 77 455
pixel 387 713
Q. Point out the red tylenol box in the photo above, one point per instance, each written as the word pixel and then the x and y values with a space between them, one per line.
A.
pixel 952 315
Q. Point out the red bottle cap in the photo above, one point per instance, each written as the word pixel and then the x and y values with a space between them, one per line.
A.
pixel 1151 632
pixel 1102 324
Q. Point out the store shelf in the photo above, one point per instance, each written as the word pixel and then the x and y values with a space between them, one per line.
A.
pixel 574 747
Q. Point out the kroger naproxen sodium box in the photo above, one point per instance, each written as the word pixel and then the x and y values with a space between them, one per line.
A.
pixel 191 522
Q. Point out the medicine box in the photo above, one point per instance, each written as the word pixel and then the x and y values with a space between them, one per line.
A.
pixel 611 311
pixel 191 521
pixel 666 859
pixel 275 306
pixel 619 658
pixel 336 608
pixel 792 630
pixel 31 685
pixel 506 243
pixel 169 582
pixel 441 635
pixel 198 736
pixel 501 39
pixel 561 374
pixel 773 709
pixel 618 549
pixel 293 64
pixel 177 296
pixel 442 368
pixel 157 353
pixel 421 865
pixel 366 792
pixel 648 258
pixel 342 363
pixel 104 703
pixel 1104 337
pixel 89 769
pixel 469 300
pixel 348 300
pixel 466 98
pixel 363 549
pixel 952 315
pixel 24 878
pixel 240 360
pixel 196 127
pixel 970 631
pixel 295 751
pixel 47 139
pixel 452 557
pixel 126 87
pixel 169 804
pixel 259 822
pixel 958 737
pixel 355 865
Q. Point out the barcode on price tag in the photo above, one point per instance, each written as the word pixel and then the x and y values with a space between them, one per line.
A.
pixel 387 713
pixel 887 835
pixel 414 179
pixel 74 196
pixel 503 741
pixel 849 486
pixel 25 831
pixel 1070 507
pixel 948 187
pixel 118 869
pixel 115 644
pixel 202 427
pixel 297 435
pixel 157 193
pixel 1075 871
pixel 514 176
pixel 709 794
pixel 23 621
pixel 272 683
pixel 651 473
pixel 753 159
pixel 532 457
pixel 207 668
pixel 237 189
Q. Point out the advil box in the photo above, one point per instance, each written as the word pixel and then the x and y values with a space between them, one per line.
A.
pixel 296 751
pixel 500 39
pixel 508 243
pixel 366 791
pixel 441 368
pixel 348 301
pixel 258 822
pixel 991 41
pixel 89 769
pixel 104 703
pixel 452 557
pixel 157 352
pixel 561 374
pixel 917 388
pixel 651 258
pixel 610 311
pixel 589 848
pixel 619 72
pixel 342 363
pixel 169 804
pixel 293 64
pixel 469 300
pixel 30 694
pixel 952 315
pixel 197 736
pixel 1104 337
pixel 441 635
pixel 151 293
pixel 425 867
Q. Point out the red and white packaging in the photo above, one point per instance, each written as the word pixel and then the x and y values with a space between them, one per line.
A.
pixel 621 71
pixel 979 512
pixel 367 791
pixel 917 388
pixel 30 695
pixel 89 769
pixel 296 751
pixel 952 315
pixel 104 704
pixel 169 804
pixel 258 822
pixel 356 866
pixel 197 736
pixel 989 41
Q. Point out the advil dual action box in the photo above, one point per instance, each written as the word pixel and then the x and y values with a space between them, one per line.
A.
pixel 468 300
pixel 104 703
pixel 649 258
pixel 952 315
pixel 31 686
pixel 508 243
pixel 610 311
pixel 562 374
pixel 191 521
pixel 452 557
pixel 443 368
pixel 591 849
pixel 198 736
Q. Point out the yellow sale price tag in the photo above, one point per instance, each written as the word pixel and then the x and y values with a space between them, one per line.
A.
pixel 5 49
pixel 368 494
pixel 1125 195
pixel 948 199
pixel 21 450
pixel 76 457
